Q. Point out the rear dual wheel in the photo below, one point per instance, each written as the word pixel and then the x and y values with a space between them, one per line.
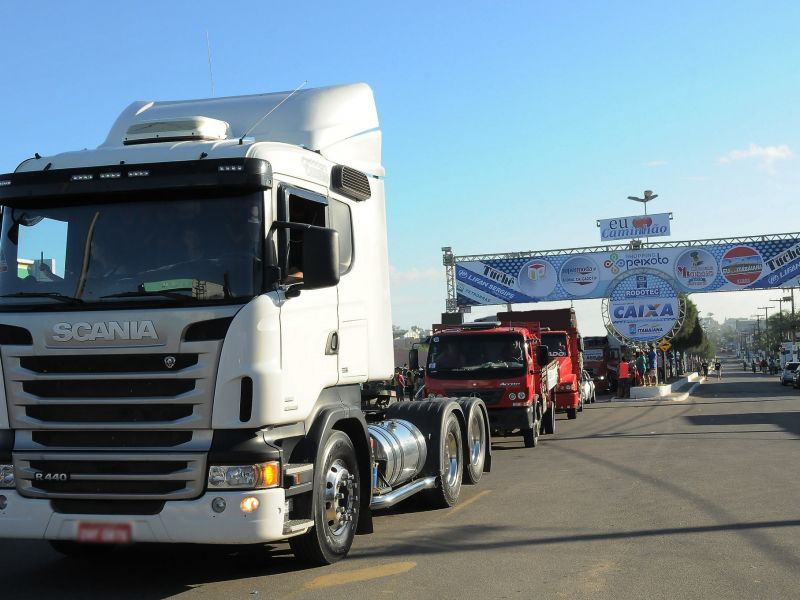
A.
pixel 477 441
pixel 451 461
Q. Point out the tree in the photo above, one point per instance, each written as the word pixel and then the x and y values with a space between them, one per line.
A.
pixel 691 337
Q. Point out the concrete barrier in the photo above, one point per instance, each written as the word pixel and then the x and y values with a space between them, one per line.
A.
pixel 646 393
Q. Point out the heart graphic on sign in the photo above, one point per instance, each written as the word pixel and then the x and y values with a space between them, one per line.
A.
pixel 642 222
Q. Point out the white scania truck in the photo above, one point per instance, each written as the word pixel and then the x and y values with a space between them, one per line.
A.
pixel 192 317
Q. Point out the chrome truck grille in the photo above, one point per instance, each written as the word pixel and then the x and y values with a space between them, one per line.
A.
pixel 118 423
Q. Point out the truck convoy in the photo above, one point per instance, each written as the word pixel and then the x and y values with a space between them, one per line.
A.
pixel 559 332
pixel 504 365
pixel 191 317
pixel 601 357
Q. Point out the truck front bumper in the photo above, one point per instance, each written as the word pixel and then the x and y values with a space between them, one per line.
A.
pixel 181 521
pixel 506 419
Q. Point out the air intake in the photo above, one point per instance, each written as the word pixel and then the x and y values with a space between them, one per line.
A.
pixel 350 182
pixel 176 130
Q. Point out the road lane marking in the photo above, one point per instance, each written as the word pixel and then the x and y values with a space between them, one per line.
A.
pixel 467 503
pixel 334 579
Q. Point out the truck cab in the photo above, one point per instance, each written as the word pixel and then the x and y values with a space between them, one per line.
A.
pixel 504 366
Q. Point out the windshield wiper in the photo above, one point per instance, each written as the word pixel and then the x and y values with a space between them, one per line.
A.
pixel 55 295
pixel 173 293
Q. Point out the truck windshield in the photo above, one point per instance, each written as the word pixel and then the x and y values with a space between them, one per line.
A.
pixel 557 343
pixel 188 250
pixel 475 356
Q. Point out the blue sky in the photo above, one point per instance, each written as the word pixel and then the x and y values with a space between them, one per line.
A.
pixel 507 125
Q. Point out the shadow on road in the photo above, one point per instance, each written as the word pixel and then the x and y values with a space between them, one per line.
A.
pixel 789 421
pixel 459 539
pixel 142 572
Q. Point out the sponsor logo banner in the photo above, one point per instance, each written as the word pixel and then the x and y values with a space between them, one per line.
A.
pixel 643 317
pixel 707 268
pixel 638 226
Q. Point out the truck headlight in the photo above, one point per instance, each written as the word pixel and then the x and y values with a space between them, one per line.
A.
pixel 7 476
pixel 244 477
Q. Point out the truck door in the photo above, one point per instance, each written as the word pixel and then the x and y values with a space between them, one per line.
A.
pixel 309 322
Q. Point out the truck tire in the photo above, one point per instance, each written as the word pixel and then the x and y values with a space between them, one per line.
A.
pixel 549 420
pixel 531 436
pixel 337 505
pixel 476 439
pixel 451 460
pixel 572 413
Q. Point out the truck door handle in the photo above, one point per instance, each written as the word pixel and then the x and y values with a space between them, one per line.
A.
pixel 332 347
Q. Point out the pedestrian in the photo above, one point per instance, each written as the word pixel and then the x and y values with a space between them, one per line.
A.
pixel 753 365
pixel 641 368
pixel 652 364
pixel 399 382
pixel 411 377
pixel 704 366
pixel 624 381
pixel 718 368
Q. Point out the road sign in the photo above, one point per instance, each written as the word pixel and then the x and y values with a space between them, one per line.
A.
pixel 665 346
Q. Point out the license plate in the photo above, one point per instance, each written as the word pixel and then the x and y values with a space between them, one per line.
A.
pixel 104 533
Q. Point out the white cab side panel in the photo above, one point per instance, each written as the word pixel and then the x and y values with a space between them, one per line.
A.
pixel 368 283
pixel 252 349
pixel 3 410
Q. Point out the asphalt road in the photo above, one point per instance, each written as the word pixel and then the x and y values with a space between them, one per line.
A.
pixel 692 499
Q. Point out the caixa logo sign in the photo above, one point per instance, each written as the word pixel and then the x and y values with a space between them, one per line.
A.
pixel 104 330
pixel 643 311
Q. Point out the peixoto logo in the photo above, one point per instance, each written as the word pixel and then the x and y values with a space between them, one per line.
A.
pixel 104 330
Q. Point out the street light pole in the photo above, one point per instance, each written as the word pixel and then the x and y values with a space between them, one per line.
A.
pixel 766 327
pixel 648 196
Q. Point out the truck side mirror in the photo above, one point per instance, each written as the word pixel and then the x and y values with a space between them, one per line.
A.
pixel 320 258
pixel 543 355
pixel 413 359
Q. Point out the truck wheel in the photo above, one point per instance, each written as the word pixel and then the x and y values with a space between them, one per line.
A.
pixel 530 437
pixel 549 425
pixel 337 505
pixel 475 452
pixel 572 413
pixel 79 550
pixel 451 459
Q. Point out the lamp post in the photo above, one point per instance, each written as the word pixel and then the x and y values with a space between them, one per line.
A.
pixel 648 196
pixel 766 327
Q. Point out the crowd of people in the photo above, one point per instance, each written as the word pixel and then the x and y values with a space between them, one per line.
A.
pixel 767 367
pixel 407 382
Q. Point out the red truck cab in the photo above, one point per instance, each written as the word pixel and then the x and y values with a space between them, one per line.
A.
pixel 559 332
pixel 505 366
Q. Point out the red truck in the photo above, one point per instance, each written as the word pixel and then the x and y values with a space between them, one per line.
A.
pixel 505 365
pixel 601 360
pixel 559 332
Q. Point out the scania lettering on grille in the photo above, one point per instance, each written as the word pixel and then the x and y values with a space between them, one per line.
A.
pixel 104 330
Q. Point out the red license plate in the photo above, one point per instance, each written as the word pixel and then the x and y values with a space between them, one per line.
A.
pixel 104 533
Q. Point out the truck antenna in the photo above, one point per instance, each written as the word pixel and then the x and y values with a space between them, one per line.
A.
pixel 274 108
pixel 210 70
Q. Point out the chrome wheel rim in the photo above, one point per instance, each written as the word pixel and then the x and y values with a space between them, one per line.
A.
pixel 451 458
pixel 340 497
pixel 475 439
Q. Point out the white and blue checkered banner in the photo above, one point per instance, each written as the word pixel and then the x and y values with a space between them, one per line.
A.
pixel 720 267
pixel 643 306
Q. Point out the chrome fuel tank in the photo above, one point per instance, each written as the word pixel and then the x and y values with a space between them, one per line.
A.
pixel 399 448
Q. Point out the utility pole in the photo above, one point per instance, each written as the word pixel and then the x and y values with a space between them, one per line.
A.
pixel 648 196
pixel 780 316
pixel 766 327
